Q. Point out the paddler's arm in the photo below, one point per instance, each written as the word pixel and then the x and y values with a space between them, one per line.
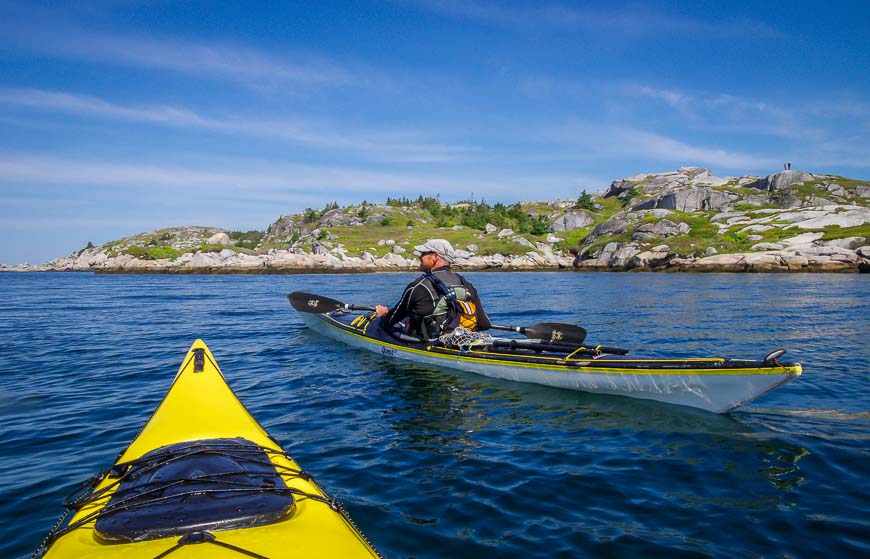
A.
pixel 399 310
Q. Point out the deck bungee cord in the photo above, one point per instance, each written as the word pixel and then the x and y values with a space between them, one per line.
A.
pixel 154 493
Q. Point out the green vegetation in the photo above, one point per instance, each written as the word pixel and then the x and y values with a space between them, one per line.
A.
pixel 247 239
pixel 411 221
pixel 584 202
pixel 153 253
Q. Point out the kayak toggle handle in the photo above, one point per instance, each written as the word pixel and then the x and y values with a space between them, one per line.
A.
pixel 773 357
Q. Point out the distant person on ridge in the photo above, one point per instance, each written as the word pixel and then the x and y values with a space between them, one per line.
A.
pixel 438 301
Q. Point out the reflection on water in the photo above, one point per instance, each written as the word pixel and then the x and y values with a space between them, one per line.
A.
pixel 465 416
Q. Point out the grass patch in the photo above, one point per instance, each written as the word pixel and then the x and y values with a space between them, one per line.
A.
pixel 152 253
pixel 833 233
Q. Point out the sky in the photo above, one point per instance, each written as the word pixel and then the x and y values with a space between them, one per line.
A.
pixel 119 117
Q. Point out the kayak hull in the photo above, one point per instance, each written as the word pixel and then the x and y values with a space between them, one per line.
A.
pixel 201 408
pixel 714 384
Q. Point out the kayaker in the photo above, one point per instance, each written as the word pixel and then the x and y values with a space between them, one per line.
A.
pixel 425 306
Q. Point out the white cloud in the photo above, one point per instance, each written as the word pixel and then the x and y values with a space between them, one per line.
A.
pixel 391 146
pixel 251 178
pixel 222 60
pixel 663 148
pixel 610 142
pixel 634 19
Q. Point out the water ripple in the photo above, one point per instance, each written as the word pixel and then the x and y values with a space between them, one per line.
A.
pixel 435 463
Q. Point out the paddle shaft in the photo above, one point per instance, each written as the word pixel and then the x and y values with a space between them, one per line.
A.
pixel 549 332
pixel 558 348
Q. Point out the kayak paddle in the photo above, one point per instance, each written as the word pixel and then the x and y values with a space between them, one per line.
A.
pixel 549 331
pixel 306 302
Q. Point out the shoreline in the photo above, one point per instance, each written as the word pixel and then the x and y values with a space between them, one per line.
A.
pixel 680 268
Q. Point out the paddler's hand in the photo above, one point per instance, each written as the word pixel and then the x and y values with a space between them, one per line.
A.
pixel 381 310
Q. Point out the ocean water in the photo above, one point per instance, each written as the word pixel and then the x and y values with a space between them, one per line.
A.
pixel 432 463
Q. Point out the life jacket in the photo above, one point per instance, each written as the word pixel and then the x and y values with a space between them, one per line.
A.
pixel 453 309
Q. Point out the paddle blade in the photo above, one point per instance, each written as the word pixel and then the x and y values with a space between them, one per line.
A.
pixel 306 302
pixel 555 332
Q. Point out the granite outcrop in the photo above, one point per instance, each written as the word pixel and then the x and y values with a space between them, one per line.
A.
pixel 683 220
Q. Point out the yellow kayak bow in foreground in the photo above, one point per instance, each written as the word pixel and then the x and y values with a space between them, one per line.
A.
pixel 204 479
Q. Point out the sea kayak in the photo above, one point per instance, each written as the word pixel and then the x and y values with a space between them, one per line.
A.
pixel 715 384
pixel 204 479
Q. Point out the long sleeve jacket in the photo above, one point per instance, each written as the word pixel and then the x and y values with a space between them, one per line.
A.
pixel 420 298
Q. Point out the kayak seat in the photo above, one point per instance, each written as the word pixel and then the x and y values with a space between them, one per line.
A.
pixel 214 484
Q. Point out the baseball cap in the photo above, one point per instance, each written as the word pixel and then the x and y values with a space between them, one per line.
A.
pixel 441 246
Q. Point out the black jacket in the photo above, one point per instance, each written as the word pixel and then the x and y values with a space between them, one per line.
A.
pixel 420 297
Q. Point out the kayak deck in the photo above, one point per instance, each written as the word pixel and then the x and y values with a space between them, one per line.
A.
pixel 715 384
pixel 204 479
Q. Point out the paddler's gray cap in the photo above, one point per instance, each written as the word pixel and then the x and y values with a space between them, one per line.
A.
pixel 441 246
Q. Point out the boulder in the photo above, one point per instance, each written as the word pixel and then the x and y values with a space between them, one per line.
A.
pixel 650 259
pixel 848 218
pixel 490 228
pixel 614 225
pixel 778 181
pixel 572 220
pixel 836 190
pixel 505 233
pixel 764 247
pixel 202 260
pixel 218 239
pixel 729 217
pixel 804 239
pixel 523 241
pixel 543 248
pixel 846 242
pixel 690 200
pixel 663 228
pixel 473 248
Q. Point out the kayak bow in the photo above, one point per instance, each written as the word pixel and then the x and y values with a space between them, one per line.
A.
pixel 204 479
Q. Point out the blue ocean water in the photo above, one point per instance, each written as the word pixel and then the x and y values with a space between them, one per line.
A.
pixel 433 463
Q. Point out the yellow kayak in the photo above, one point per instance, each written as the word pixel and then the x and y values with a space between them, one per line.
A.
pixel 204 479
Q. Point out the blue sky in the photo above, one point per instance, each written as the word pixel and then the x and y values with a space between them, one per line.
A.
pixel 122 116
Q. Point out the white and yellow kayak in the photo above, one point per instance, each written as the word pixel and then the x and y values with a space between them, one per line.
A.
pixel 714 384
pixel 204 479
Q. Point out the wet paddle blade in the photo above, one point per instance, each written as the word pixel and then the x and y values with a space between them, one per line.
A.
pixel 307 302
pixel 555 332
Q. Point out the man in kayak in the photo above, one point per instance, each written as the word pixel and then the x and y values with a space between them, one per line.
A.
pixel 437 301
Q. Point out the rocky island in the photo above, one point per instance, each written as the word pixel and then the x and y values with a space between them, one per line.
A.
pixel 685 220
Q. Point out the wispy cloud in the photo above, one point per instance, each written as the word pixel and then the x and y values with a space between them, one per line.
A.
pixel 390 146
pixel 632 19
pixel 218 60
pixel 665 149
pixel 611 142
pixel 250 178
